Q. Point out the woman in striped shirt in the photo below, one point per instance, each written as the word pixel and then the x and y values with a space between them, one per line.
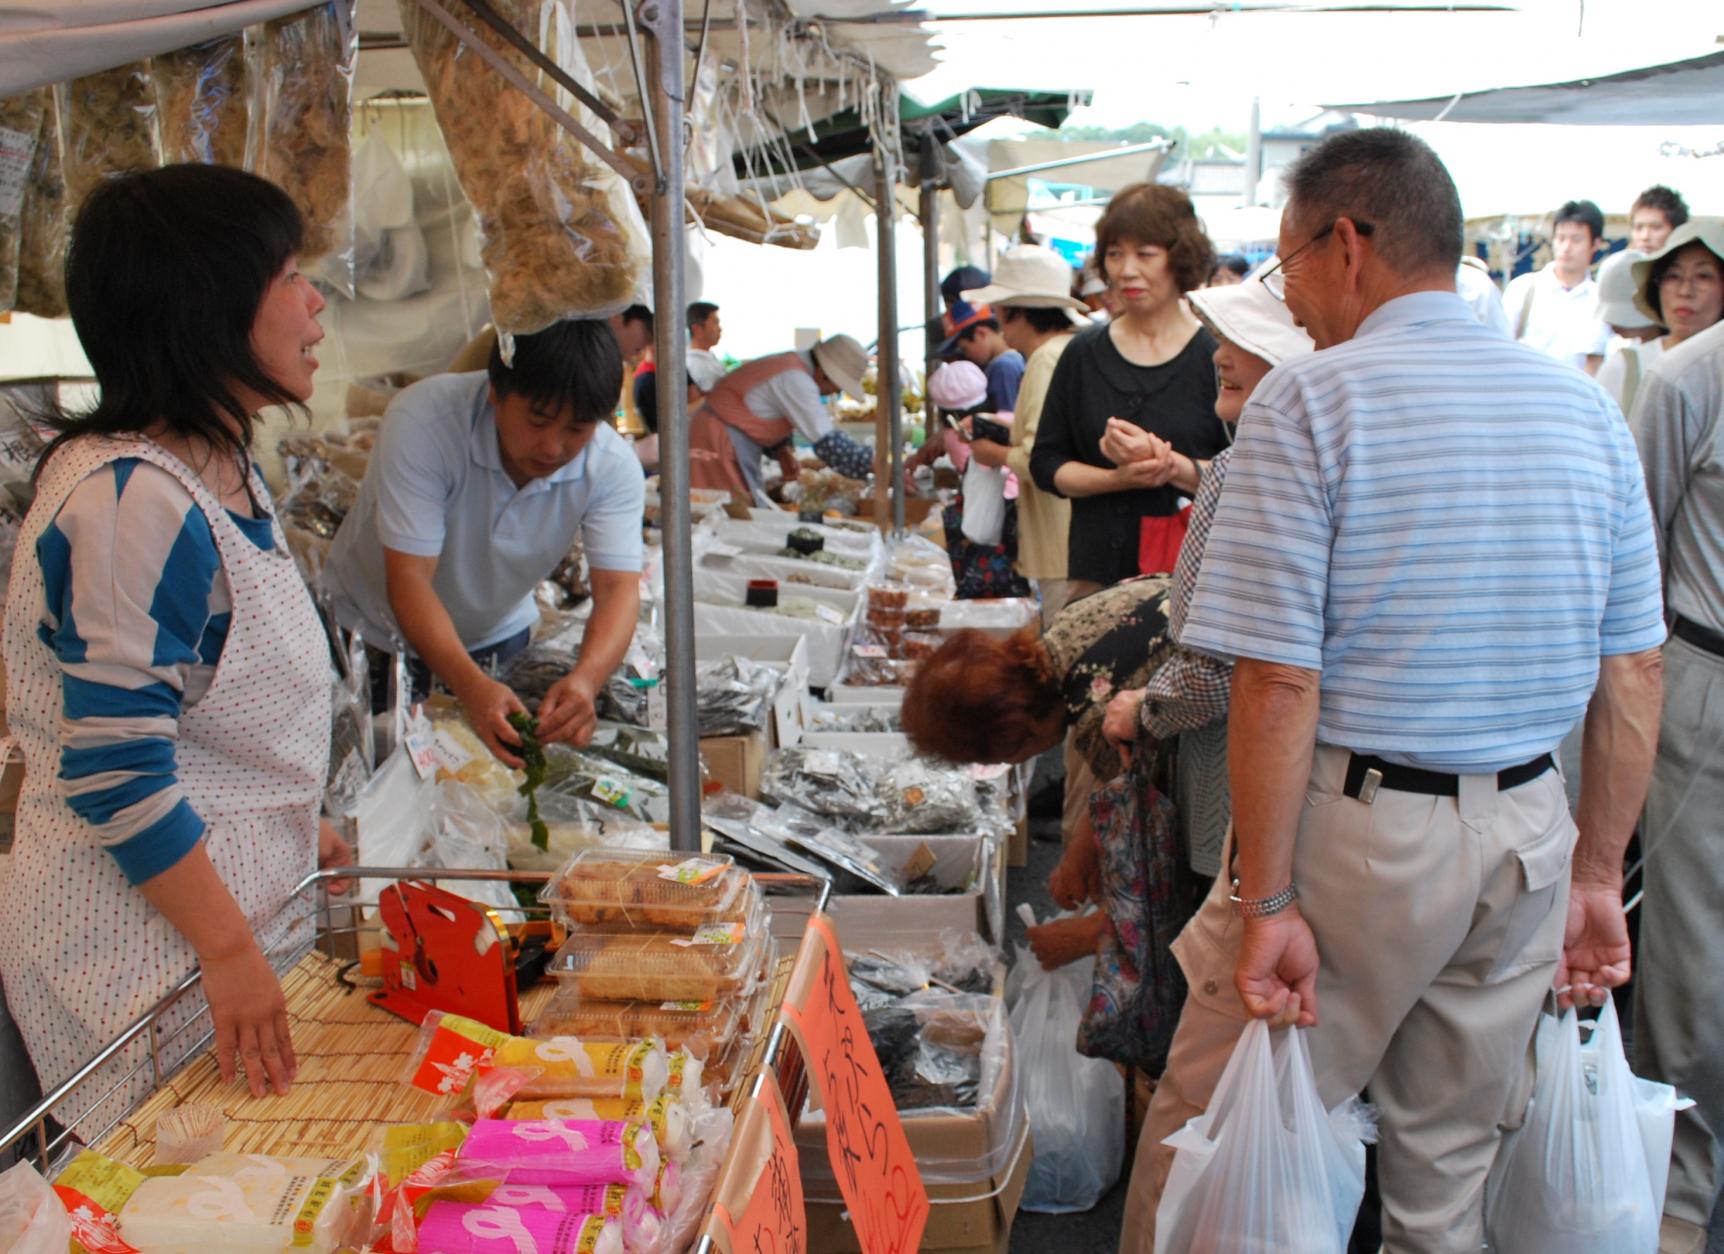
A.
pixel 168 678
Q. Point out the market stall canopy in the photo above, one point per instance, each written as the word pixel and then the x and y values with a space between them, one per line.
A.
pixel 49 41
pixel 1675 94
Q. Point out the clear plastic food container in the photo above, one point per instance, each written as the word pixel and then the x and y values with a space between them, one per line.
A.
pixel 709 963
pixel 704 1028
pixel 649 891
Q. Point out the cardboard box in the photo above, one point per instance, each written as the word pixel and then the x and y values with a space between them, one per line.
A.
pixel 737 761
pixel 787 653
pixel 849 694
pixel 969 862
pixel 965 1216
pixel 916 511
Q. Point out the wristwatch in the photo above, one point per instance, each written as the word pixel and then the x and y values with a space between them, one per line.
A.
pixel 1261 907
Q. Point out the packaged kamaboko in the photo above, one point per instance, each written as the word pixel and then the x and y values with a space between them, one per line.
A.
pixel 450 1052
pixel 562 1152
pixel 670 1120
pixel 94 1190
pixel 246 1204
pixel 468 1228
pixel 667 1188
pixel 642 1226
pixel 567 1066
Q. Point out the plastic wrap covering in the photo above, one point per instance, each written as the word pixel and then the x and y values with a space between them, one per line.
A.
pixel 42 224
pixel 549 218
pixel 581 784
pixel 828 782
pixel 965 963
pixel 638 749
pixel 923 798
pixel 109 127
pixel 20 132
pixel 311 513
pixel 943 1055
pixel 306 72
pixel 349 733
pixel 857 719
pixel 202 108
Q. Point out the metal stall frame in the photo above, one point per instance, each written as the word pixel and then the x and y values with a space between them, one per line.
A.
pixel 34 1123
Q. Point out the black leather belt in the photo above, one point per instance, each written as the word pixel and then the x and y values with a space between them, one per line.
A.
pixel 1698 636
pixel 1431 783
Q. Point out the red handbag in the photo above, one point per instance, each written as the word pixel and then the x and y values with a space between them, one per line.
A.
pixel 1158 540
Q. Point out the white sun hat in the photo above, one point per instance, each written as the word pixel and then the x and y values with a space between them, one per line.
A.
pixel 1247 314
pixel 1031 278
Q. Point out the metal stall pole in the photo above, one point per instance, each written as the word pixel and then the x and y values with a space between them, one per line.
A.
pixel 930 214
pixel 887 389
pixel 664 100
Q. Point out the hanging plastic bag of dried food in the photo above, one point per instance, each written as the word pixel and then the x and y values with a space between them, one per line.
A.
pixel 108 126
pixel 20 132
pixel 305 85
pixel 42 224
pixel 202 108
pixel 552 243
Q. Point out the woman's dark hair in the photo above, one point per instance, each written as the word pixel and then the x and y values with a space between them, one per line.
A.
pixel 1042 321
pixel 1148 213
pixel 977 698
pixel 1661 267
pixel 575 365
pixel 165 272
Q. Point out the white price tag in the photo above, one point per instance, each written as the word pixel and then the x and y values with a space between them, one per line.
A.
pixel 869 650
pixel 827 613
pixel 422 752
pixel 450 754
pixel 611 792
pixel 988 770
pixel 720 549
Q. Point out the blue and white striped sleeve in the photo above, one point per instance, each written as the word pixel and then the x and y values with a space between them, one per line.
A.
pixel 1263 585
pixel 1634 608
pixel 128 567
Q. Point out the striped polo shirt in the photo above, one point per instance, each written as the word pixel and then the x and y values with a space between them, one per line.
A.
pixel 1449 526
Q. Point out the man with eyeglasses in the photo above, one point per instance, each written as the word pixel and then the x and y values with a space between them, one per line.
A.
pixel 1434 545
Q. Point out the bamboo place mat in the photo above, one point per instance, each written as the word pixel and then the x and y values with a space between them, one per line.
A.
pixel 353 1060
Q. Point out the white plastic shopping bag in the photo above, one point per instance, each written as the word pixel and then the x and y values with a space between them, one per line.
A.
pixel 32 1219
pixel 1265 1170
pixel 1076 1104
pixel 1587 1169
pixel 984 503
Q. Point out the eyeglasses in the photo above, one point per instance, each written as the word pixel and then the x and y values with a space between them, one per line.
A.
pixel 1276 280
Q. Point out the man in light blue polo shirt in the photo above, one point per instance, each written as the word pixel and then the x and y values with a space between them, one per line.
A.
pixel 1433 555
pixel 476 491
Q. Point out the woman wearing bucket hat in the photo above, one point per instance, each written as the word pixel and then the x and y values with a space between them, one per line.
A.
pixel 1031 291
pixel 1638 344
pixel 758 407
pixel 1681 286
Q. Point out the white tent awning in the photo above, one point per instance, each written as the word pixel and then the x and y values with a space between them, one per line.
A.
pixel 1681 93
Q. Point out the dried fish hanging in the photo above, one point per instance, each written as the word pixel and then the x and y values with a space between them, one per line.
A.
pixel 108 126
pixel 43 223
pixel 551 243
pixel 20 132
pixel 305 87
pixel 202 109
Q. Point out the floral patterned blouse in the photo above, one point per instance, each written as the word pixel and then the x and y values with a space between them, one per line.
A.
pixel 1105 643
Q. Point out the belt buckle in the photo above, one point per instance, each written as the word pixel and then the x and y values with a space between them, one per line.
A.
pixel 1369 785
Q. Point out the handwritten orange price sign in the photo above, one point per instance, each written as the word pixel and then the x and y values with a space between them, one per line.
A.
pixel 759 1207
pixel 865 1140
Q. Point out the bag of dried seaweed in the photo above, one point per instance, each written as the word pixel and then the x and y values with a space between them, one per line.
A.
pixel 202 106
pixel 305 101
pixel 108 124
pixel 553 236
pixel 833 782
pixel 20 132
pixel 42 224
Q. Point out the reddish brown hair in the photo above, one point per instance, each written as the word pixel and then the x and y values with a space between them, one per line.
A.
pixel 978 698
pixel 1148 213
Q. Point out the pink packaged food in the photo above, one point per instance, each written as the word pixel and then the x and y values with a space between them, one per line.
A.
pixel 467 1228
pixel 565 1152
pixel 642 1225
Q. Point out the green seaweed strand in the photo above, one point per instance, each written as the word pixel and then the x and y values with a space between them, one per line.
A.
pixel 533 759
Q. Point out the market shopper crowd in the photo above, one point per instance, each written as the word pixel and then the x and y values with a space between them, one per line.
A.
pixel 1236 498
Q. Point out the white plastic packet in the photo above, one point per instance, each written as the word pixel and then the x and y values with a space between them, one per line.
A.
pixel 32 1219
pixel 984 503
pixel 1266 1170
pixel 1587 1169
pixel 1073 1101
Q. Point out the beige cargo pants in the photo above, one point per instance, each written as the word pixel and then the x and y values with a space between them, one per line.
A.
pixel 1438 922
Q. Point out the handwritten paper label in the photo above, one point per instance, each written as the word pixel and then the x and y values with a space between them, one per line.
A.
pixel 865 1140
pixel 422 751
pixel 759 1206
